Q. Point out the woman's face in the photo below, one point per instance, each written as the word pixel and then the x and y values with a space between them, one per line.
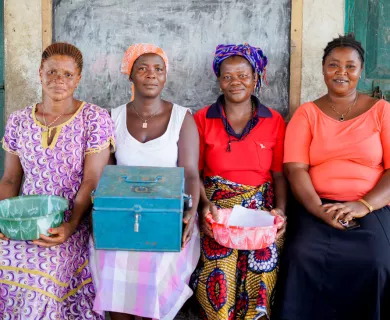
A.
pixel 60 77
pixel 342 69
pixel 149 75
pixel 237 80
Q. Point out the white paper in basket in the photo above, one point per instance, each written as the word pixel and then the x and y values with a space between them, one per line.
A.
pixel 243 217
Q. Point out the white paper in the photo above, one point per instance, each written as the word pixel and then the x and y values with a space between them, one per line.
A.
pixel 243 217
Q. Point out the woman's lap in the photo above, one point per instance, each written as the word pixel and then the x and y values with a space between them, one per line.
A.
pixel 148 284
pixel 239 282
pixel 46 283
pixel 247 278
pixel 329 273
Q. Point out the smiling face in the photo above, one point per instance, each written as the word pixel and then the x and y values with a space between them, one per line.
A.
pixel 342 69
pixel 149 75
pixel 237 80
pixel 60 77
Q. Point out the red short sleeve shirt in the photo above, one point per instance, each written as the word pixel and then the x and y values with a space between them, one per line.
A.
pixel 250 160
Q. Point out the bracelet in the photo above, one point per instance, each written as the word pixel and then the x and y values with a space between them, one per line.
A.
pixel 370 207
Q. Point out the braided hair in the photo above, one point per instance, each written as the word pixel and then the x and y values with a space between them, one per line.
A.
pixel 63 49
pixel 344 41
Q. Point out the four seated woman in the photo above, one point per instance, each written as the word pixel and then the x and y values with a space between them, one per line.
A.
pixel 336 161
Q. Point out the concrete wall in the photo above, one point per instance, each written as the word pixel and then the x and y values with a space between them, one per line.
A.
pixel 23 48
pixel 322 21
pixel 187 30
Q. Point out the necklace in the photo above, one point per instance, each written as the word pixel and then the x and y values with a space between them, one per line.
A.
pixel 242 137
pixel 145 121
pixel 48 126
pixel 342 115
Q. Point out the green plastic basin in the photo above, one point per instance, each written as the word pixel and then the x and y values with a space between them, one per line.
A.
pixel 27 217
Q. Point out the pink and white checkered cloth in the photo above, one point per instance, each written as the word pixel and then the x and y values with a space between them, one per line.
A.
pixel 146 284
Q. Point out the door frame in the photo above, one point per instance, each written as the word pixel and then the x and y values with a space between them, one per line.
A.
pixel 356 10
pixel 350 16
pixel 2 91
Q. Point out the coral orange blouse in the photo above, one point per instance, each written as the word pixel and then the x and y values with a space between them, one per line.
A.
pixel 346 158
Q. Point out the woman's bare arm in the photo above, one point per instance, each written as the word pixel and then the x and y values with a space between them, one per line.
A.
pixel 188 159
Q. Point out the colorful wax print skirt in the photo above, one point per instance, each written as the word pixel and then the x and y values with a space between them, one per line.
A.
pixel 230 283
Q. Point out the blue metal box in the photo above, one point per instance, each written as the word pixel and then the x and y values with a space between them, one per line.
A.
pixel 139 208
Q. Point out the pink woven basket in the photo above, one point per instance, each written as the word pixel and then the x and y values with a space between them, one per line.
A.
pixel 243 238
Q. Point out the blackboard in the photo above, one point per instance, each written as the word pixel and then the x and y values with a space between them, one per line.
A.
pixel 188 31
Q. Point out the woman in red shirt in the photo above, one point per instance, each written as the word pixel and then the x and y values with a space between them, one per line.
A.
pixel 241 152
pixel 337 159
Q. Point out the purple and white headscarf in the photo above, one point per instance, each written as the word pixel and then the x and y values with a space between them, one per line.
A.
pixel 254 55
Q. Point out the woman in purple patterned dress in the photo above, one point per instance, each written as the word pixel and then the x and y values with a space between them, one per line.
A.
pixel 61 146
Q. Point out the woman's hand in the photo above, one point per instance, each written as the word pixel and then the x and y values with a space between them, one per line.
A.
pixel 59 235
pixel 189 221
pixel 3 237
pixel 207 207
pixel 282 228
pixel 346 211
pixel 327 216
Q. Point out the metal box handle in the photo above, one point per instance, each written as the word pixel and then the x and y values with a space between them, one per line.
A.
pixel 136 223
pixel 157 179
pixel 93 195
pixel 188 199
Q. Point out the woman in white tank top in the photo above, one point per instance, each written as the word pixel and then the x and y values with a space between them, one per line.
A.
pixel 151 132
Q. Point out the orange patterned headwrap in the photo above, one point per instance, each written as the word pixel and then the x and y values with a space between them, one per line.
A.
pixel 137 50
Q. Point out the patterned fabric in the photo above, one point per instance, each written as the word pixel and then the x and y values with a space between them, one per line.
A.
pixel 236 284
pixel 137 50
pixel 254 55
pixel 134 52
pixel 146 284
pixel 51 283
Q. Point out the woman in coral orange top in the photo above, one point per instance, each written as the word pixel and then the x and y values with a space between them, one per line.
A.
pixel 337 156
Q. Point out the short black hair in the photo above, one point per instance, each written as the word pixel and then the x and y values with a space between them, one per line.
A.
pixel 347 40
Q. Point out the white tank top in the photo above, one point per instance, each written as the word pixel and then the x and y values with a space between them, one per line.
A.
pixel 160 152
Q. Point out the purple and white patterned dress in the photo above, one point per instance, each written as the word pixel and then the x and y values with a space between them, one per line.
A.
pixel 52 283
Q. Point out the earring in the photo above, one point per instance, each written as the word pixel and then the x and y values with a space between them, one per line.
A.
pixel 132 91
pixel 254 91
pixel 360 77
pixel 220 90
